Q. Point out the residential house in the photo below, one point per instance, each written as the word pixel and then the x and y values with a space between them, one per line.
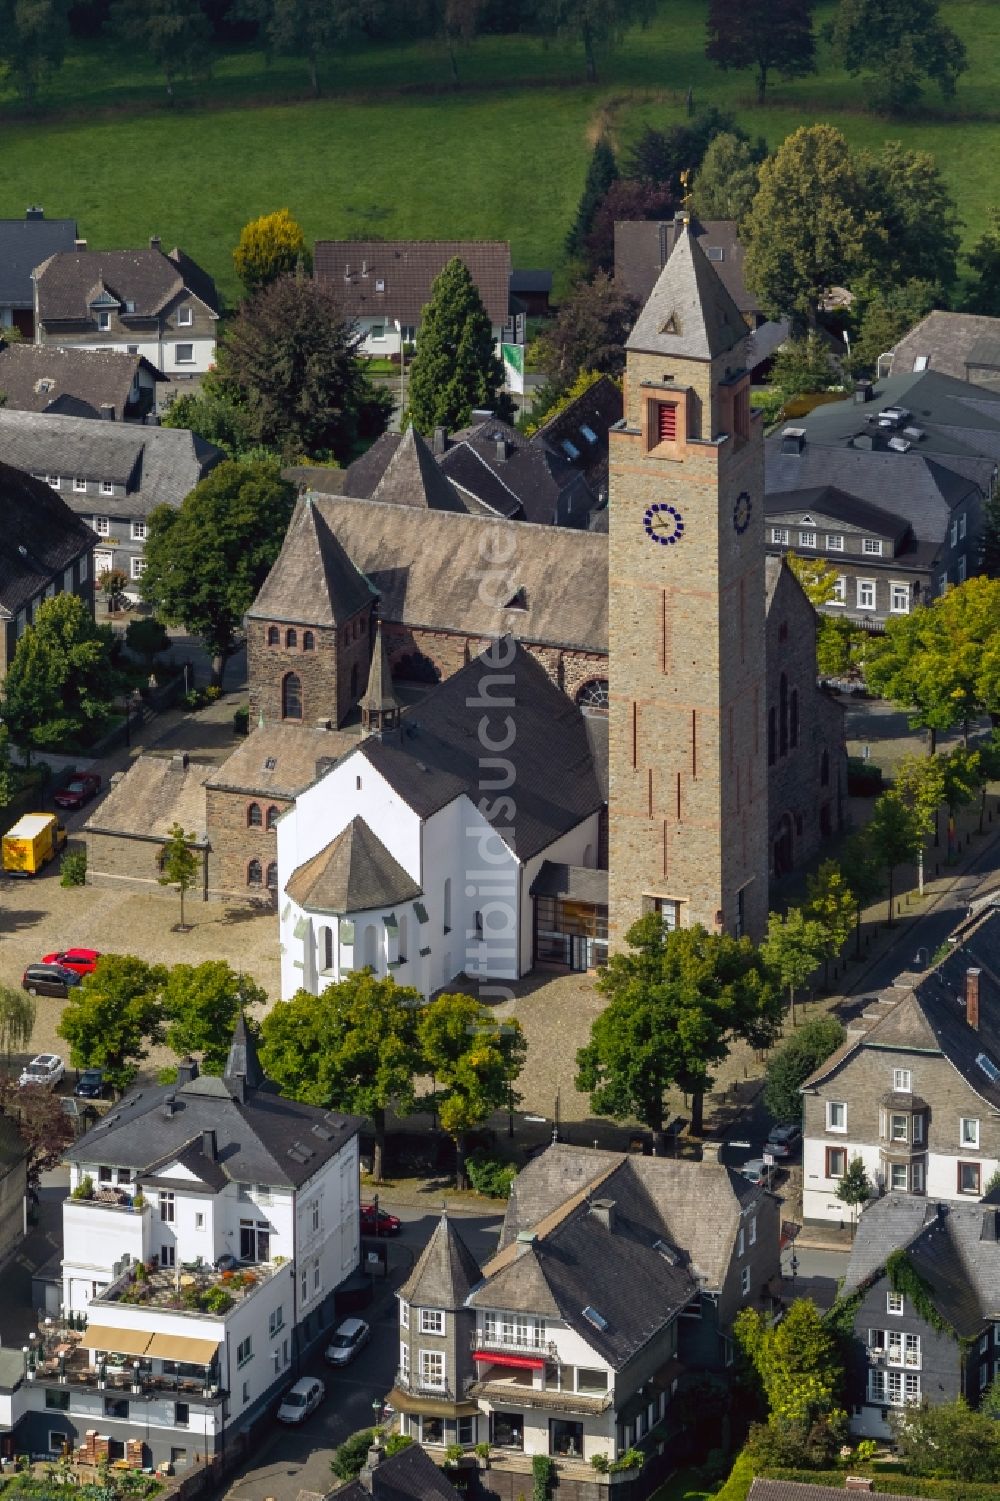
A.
pixel 44 550
pixel 888 487
pixel 915 1089
pixel 146 302
pixel 643 247
pixel 963 345
pixel 935 1347
pixel 24 244
pixel 177 1357
pixel 111 474
pixel 532 290
pixel 384 285
pixel 612 1274
pixel 795 1490
pixel 408 1475
pixel 77 382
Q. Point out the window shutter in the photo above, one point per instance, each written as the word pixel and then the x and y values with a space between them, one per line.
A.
pixel 667 421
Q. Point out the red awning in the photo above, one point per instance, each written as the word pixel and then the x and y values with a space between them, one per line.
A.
pixel 522 1362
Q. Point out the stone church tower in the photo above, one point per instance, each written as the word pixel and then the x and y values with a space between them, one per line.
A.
pixel 688 765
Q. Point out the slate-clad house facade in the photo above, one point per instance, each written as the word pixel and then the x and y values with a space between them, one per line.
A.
pixel 936 1347
pixel 24 244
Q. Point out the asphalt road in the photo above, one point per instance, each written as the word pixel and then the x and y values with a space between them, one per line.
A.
pixel 292 1460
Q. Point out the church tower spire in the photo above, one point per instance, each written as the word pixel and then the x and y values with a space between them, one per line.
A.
pixel 688 775
pixel 380 708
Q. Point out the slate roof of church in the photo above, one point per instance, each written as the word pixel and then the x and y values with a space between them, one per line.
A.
pixel 294 749
pixel 412 478
pixel 154 793
pixel 445 1273
pixel 689 314
pixel 313 580
pixel 353 873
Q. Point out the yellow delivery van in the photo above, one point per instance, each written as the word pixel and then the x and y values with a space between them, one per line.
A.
pixel 34 839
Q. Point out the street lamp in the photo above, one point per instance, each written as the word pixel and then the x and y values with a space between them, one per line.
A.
pixel 376 1412
pixel 793 1267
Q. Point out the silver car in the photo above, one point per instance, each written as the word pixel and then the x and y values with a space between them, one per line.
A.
pixel 300 1400
pixel 347 1340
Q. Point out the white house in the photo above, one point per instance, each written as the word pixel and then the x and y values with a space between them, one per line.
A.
pixel 209 1226
pixel 416 853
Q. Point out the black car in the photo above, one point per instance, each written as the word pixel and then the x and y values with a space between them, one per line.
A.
pixel 49 979
pixel 91 1084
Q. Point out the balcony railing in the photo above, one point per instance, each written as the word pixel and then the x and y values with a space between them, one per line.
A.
pixel 501 1345
pixel 420 1388
pixel 74 1371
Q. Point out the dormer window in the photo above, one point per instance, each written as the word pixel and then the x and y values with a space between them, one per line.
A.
pixel 103 322
pixel 185 317
pixel 872 547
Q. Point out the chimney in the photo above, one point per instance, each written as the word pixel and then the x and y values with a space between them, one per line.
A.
pixel 863 391
pixel 208 1145
pixel 179 761
pixel 710 1151
pixel 79 244
pixel 107 412
pixel 34 212
pixel 604 1211
pixel 168 1107
pixel 972 998
pixel 187 1070
pixel 440 440
pixel 371 1464
pixel 154 242
pixel 793 440
pixel 502 450
pixel 858 1483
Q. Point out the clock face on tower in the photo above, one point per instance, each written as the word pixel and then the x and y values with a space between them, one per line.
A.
pixel 742 511
pixel 664 524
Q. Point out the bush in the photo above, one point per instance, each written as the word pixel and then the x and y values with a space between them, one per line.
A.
pixel 395 1442
pixel 241 720
pixel 541 1472
pixel 73 868
pixel 346 1464
pixel 490 1175
pixel 740 1479
pixel 84 1189
pixel 216 1300
pixel 212 693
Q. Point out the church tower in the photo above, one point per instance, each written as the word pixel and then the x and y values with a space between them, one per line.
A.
pixel 688 768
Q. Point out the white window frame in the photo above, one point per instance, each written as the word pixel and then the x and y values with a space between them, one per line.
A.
pixel 807 539
pixel 137 567
pixel 953 534
pixel 404 1358
pixel 79 485
pixel 185 316
pixel 863 586
pixel 102 526
pixel 107 487
pixel 404 1314
pixel 753 1230
pixel 432 1321
pixel 972 1139
pixel 942 583
pixel 899 598
pixel 181 360
pixel 779 535
pixel 902 1081
pixel 832 1105
pixel 103 321
pixel 835 542
pixel 962 527
pixel 55 480
pixel 871 547
pixel 962 569
pixel 895 1304
pixel 741 1242
pixel 899 1126
pixel 430 1361
pixel 376 337
pixel 840 591
pixel 898 1170
pixel 138 531
pixel 917 1177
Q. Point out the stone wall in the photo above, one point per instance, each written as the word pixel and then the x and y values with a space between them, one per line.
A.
pixel 133 860
pixel 449 651
pixel 333 673
pixel 235 842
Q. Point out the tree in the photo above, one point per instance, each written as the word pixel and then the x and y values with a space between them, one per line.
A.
pixel 42 1124
pixel 113 584
pixel 864 875
pixel 896 834
pixel 552 400
pixel 601 173
pixel 312 29
pixel 790 1066
pixel 796 1360
pixel 885 313
pixel 989 767
pixel 33 37
pixel 201 1004
pixel 840 647
pixel 920 785
pixel 174 33
pixel 113 1015
pixel 179 865
pixel 802 365
pixel 217 412
pixel 595 24
pixel 963 777
pixel 628 198
pixel 17 1020
pixel 456 23
pixel 830 902
pixel 589 332
pixel 62 682
pixel 354 1048
pixel 817 578
pixel 206 560
pixel 922 664
pixel 983 295
pixel 269 247
pixel 292 356
pixel 792 949
pixel 474 1060
pixel 675 1002
pixel 147 638
pixel 949 1441
pixel 669 157
pixel 810 228
pixel 770 36
pixel 897 44
pixel 854 1189
pixel 908 191
pixel 727 180
pixel 455 368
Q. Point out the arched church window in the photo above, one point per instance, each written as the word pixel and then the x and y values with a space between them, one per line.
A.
pixel 594 697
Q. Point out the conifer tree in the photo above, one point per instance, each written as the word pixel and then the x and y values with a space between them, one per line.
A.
pixel 601 173
pixel 455 368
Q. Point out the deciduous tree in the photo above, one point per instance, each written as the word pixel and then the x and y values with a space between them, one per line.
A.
pixel 455 368
pixel 983 295
pixel 595 24
pixel 884 313
pixel 474 1060
pixel 311 29
pixel 769 36
pixel 830 902
pixel 62 683
pixel 42 1124
pixel 201 1004
pixel 113 1016
pixel 949 1441
pixel 669 157
pixel 864 874
pixel 33 38
pixel 797 1361
pixel 628 198
pixel 896 835
pixel 803 365
pixel 589 332
pixel 147 638
pixel 354 1048
pixel 206 560
pixel 790 1065
pixel 727 180
pixel 601 173
pixel 17 1020
pixel 908 191
pixel 217 412
pixel 174 33
pixel 792 950
pixel 676 1001
pixel 271 246
pixel 854 1189
pixel 179 865
pixel 897 45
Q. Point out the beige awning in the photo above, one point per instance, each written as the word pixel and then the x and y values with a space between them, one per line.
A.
pixel 122 1341
pixel 183 1347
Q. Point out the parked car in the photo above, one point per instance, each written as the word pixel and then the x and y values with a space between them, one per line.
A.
pixel 755 1170
pixel 90 1085
pixel 44 1068
pixel 83 961
pixel 783 1140
pixel 385 1224
pixel 300 1400
pixel 79 791
pixel 347 1340
pixel 49 979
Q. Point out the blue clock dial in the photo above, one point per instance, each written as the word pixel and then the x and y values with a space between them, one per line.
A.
pixel 663 524
pixel 742 511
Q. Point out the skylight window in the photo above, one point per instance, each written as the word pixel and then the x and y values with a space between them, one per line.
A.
pixel 715 252
pixel 570 449
pixel 667 1252
pixel 593 1317
pixel 587 433
pixel 988 1067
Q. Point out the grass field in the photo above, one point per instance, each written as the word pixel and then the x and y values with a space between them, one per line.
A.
pixel 392 150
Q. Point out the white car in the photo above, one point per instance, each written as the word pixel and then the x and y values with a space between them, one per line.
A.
pixel 346 1341
pixel 44 1068
pixel 300 1400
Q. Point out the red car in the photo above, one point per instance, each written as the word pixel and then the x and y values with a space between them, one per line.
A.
pixel 386 1224
pixel 79 791
pixel 81 961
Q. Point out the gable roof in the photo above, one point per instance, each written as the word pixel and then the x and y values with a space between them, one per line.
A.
pixel 689 313
pixel 40 537
pixel 68 281
pixel 361 477
pixel 827 500
pixel 353 873
pixel 795 1490
pixel 395 277
pixel 412 478
pixel 408 1475
pixel 154 793
pixel 313 580
pixel 35 377
pixel 963 345
pixel 296 751
pixel 24 244
pixel 642 248
pixel 598 408
pixel 446 1270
